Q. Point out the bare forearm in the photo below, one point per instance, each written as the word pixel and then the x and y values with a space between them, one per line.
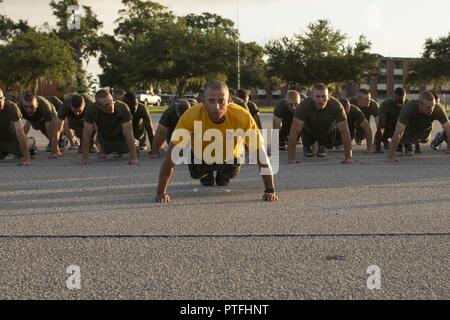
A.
pixel 86 144
pixel 369 138
pixel 158 141
pixel 165 174
pixel 49 129
pixel 346 140
pixel 394 144
pixel 26 127
pixel 292 145
pixel 131 146
pixel 150 134
pixel 268 182
pixel 55 137
pixel 24 146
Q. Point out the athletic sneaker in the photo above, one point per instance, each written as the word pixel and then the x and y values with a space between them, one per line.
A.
pixel 208 180
pixel 409 150
pixel 358 142
pixel 34 149
pixel 221 180
pixel 322 152
pixel 117 155
pixel 378 150
pixel 338 147
pixel 63 142
pixel 307 151
pixel 417 148
pixel 437 141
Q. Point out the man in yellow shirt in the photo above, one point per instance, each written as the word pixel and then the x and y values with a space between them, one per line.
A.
pixel 215 132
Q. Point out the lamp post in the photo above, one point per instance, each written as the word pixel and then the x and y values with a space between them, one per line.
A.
pixel 238 49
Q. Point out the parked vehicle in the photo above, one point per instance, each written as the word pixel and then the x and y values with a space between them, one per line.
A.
pixel 148 98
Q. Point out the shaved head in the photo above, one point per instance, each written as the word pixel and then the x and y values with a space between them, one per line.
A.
pixel 215 85
pixel 293 96
pixel 426 103
pixel 181 106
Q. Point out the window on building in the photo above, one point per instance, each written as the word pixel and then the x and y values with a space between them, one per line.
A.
pixel 383 64
pixel 398 79
pixel 398 64
pixel 382 80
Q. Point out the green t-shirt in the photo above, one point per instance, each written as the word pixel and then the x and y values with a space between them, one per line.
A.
pixel 169 119
pixel 389 113
pixel 45 112
pixel 252 108
pixel 55 101
pixel 240 102
pixel 65 112
pixel 371 110
pixel 354 119
pixel 417 122
pixel 282 111
pixel 109 125
pixel 8 115
pixel 320 122
pixel 140 115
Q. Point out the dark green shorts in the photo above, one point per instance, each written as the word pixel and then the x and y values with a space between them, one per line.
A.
pixel 198 171
pixel 327 140
pixel 413 137
pixel 108 147
pixel 10 147
pixel 13 147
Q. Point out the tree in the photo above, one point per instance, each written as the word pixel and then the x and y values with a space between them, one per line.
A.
pixel 151 46
pixel 9 29
pixel 253 67
pixel 34 56
pixel 140 17
pixel 434 65
pixel 83 41
pixel 320 55
pixel 124 55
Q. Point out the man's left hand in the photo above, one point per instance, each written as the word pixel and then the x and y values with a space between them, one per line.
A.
pixel 270 197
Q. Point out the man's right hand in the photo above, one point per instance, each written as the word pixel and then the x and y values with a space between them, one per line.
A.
pixel 392 160
pixel 25 162
pixel 56 155
pixel 154 155
pixel 84 162
pixel 162 198
pixel 294 161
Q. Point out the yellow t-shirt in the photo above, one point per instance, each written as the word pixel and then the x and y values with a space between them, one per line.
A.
pixel 209 139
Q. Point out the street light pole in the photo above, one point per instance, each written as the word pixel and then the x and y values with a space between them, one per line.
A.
pixel 238 50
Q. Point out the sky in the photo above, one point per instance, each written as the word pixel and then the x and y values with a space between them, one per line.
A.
pixel 396 28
